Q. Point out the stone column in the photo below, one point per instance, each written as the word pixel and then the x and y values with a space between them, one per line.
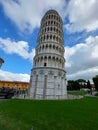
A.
pixel 55 86
pixel 45 87
pixel 34 96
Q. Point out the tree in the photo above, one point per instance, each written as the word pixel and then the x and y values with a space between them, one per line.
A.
pixel 82 83
pixel 89 86
pixel 95 80
pixel 73 85
pixel 76 85
pixel 70 85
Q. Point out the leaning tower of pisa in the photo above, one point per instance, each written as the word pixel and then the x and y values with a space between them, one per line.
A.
pixel 48 76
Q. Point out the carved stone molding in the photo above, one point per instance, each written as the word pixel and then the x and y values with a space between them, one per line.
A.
pixel 59 73
pixel 41 72
pixel 34 72
pixel 51 72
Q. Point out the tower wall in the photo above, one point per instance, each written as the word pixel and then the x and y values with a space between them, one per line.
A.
pixel 48 75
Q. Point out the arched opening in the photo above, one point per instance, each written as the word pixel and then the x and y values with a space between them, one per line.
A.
pixel 53 61
pixel 51 28
pixel 49 16
pixel 46 17
pixel 50 46
pixel 51 37
pixel 54 29
pixel 43 38
pixel 48 22
pixel 49 61
pixel 54 47
pixel 54 37
pixel 51 22
pixel 45 64
pixel 35 63
pixel 45 29
pixel 42 47
pixel 47 37
pixel 57 39
pixel 45 61
pixel 57 31
pixel 46 46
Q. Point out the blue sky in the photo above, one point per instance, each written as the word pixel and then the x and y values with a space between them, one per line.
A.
pixel 19 27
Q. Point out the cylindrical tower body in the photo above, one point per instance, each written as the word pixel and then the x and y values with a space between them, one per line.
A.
pixel 48 76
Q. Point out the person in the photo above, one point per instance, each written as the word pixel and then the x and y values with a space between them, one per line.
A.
pixel 24 95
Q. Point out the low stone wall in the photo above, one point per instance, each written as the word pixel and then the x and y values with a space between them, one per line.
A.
pixel 70 96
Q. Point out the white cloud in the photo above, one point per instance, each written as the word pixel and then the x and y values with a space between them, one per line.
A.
pixel 21 48
pixel 82 59
pixel 82 15
pixel 27 15
pixel 87 74
pixel 4 75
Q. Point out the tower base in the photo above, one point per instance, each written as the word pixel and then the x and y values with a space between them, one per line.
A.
pixel 48 83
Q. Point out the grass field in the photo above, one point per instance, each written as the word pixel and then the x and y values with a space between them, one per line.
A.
pixel 79 114
pixel 82 92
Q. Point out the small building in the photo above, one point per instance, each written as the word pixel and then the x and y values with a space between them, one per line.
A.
pixel 14 85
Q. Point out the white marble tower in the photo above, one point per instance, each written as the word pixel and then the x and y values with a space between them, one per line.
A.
pixel 48 76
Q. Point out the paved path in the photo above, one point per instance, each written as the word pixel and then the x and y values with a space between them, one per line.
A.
pixel 92 95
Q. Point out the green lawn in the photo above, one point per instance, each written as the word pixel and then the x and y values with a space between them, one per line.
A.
pixel 82 92
pixel 79 114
